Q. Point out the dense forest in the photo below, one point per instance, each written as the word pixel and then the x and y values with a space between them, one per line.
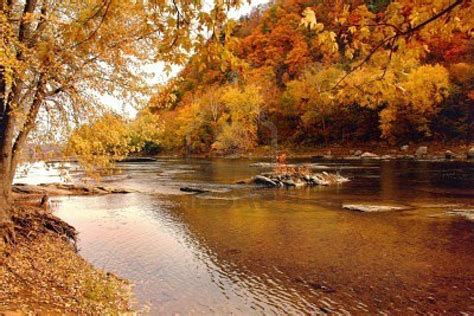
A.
pixel 322 72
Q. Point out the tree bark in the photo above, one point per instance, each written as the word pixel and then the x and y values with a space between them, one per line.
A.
pixel 7 233
pixel 6 141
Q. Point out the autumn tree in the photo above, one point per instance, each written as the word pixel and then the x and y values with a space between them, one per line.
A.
pixel 110 138
pixel 239 130
pixel 323 67
pixel 97 144
pixel 58 57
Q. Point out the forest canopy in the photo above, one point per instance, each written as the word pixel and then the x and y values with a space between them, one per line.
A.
pixel 325 72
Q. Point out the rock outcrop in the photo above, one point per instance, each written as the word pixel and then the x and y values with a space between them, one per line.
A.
pixel 274 180
pixel 66 189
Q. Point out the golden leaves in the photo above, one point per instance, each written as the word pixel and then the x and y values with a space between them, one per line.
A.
pixel 309 21
pixel 110 138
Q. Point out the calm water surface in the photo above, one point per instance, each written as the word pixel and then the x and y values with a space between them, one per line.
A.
pixel 243 250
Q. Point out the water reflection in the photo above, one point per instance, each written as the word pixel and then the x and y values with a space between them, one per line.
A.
pixel 248 251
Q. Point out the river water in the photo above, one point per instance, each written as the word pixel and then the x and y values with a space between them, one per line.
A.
pixel 242 250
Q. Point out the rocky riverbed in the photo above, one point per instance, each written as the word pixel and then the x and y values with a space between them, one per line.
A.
pixel 276 180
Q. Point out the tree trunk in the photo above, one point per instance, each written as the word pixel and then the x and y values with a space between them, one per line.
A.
pixel 7 233
pixel 6 136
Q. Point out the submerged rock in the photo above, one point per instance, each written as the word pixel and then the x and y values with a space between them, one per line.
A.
pixel 373 208
pixel 193 190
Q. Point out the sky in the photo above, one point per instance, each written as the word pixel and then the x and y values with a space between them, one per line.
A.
pixel 157 72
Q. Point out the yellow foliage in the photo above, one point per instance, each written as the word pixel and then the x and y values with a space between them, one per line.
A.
pixel 110 138
pixel 223 118
pixel 244 106
pixel 100 143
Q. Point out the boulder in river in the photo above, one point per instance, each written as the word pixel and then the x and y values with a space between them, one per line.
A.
pixel 368 208
pixel 273 180
pixel 265 181
pixel 289 183
pixel 421 152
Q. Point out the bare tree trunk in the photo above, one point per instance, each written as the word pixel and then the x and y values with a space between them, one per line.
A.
pixel 6 141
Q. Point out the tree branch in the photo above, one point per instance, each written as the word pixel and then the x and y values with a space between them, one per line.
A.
pixel 394 37
pixel 29 8
pixel 28 125
pixel 94 32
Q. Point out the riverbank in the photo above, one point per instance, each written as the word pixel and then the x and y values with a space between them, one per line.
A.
pixel 457 151
pixel 43 273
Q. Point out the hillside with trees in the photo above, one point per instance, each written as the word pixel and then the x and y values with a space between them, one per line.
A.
pixel 325 72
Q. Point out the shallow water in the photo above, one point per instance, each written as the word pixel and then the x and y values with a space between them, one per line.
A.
pixel 242 250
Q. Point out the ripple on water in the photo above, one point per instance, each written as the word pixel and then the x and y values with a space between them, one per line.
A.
pixel 244 251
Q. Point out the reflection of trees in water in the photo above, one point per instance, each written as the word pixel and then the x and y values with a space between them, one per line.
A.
pixel 349 257
pixel 241 240
pixel 265 292
pixel 296 250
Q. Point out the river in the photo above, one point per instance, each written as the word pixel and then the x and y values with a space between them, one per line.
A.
pixel 243 250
